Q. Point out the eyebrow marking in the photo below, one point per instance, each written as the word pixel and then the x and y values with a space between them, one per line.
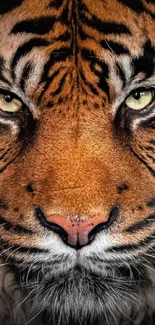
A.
pixel 25 49
pixel 39 26
pixel 107 27
pixel 145 63
pixel 25 74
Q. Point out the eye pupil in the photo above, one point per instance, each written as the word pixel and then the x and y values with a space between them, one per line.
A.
pixel 137 95
pixel 8 98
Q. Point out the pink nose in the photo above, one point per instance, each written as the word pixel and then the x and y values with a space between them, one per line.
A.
pixel 78 231
pixel 75 231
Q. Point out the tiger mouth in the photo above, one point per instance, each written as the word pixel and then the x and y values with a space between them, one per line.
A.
pixel 129 270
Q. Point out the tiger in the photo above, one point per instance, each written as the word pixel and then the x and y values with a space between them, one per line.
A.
pixel 77 162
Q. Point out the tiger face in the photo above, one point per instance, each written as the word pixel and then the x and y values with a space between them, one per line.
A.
pixel 77 157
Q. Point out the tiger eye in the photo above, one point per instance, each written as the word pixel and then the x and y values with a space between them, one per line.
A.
pixel 9 103
pixel 140 99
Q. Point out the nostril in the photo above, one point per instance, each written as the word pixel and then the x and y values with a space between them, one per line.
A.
pixel 114 213
pixel 51 226
pixel 76 232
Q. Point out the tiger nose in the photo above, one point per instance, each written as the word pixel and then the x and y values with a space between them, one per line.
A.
pixel 77 231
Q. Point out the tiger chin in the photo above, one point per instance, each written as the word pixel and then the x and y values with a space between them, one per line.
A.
pixel 77 162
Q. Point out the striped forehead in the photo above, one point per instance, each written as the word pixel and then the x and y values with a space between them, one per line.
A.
pixel 40 34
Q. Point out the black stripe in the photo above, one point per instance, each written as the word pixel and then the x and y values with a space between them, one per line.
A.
pixel 111 262
pixel 106 27
pixel 100 25
pixel 89 55
pixel 114 47
pixel 131 247
pixel 8 226
pixel 121 74
pixel 1 63
pixel 60 85
pixel 56 56
pixel 82 34
pixel 37 264
pixel 141 224
pixel 151 170
pixel 122 248
pixel 150 157
pixel 149 123
pixel 2 78
pixel 7 164
pixel 75 33
pixel 46 86
pixel 8 5
pixel 19 261
pixel 1 72
pixel 135 5
pixel 39 26
pixel 25 75
pixel 149 148
pixel 88 84
pixel 4 154
pixel 25 49
pixel 145 63
pixel 22 249
pixel 63 37
pixel 56 4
